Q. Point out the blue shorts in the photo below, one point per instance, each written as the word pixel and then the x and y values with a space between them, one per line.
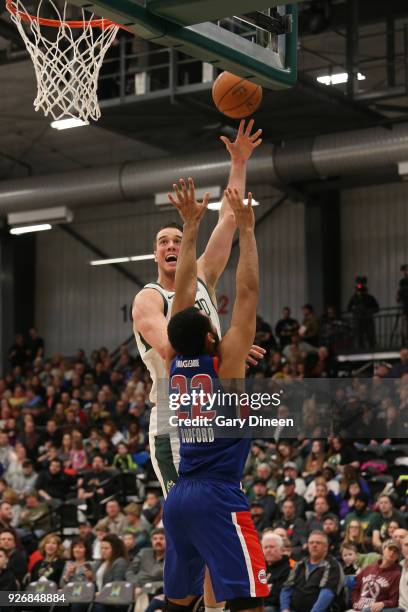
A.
pixel 208 523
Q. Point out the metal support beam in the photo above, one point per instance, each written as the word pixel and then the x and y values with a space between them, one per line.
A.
pixel 97 251
pixel 390 37
pixel 352 52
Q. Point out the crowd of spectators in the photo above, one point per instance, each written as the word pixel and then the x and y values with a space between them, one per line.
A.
pixel 74 434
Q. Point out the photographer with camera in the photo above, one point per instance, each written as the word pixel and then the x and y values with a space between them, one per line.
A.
pixel 363 307
pixel 402 299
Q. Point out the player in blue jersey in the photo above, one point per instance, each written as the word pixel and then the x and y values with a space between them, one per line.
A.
pixel 206 514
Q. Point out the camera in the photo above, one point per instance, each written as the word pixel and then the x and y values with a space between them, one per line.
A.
pixel 361 283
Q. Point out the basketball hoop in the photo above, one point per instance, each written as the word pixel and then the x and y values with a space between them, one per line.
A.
pixel 67 68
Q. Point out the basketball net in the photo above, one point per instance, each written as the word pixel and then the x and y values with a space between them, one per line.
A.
pixel 66 65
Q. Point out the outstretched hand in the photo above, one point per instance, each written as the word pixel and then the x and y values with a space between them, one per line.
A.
pixel 245 143
pixel 185 201
pixel 244 214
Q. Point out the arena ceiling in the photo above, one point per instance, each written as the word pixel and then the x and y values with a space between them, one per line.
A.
pixel 157 127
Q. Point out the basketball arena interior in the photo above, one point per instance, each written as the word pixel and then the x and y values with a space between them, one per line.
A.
pixel 81 502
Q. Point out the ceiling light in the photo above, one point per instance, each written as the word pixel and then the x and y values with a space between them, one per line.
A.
pixel 57 214
pixel 118 260
pixel 217 205
pixel 27 229
pixel 142 257
pixel 336 79
pixel 67 124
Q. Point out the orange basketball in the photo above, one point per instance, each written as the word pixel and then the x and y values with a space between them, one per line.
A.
pixel 236 97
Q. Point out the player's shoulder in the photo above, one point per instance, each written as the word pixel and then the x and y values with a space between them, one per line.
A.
pixel 149 299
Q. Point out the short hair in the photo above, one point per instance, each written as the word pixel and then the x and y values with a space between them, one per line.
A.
pixel 157 531
pixel 319 533
pixel 172 224
pixel 348 546
pixel 274 536
pixel 187 332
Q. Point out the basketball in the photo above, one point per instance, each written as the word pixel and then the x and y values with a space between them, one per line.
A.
pixel 236 97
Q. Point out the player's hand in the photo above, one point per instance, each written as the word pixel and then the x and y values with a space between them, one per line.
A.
pixel 244 215
pixel 245 143
pixel 255 355
pixel 184 200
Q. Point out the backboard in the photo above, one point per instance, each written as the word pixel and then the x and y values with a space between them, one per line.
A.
pixel 230 35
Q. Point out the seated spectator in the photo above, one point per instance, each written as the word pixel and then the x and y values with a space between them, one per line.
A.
pixel 149 563
pixel 400 535
pixel 287 452
pixel 8 580
pixel 321 509
pixel 51 565
pixel 289 490
pixel 86 533
pixel 361 513
pixel 377 585
pixel 277 568
pixel 321 490
pixel 295 528
pixel 354 535
pixel 315 582
pixel 152 507
pixel 95 485
pixel 77 455
pixel 24 481
pixel 78 568
pixel 403 586
pixel 286 328
pixel 332 529
pixel 264 498
pixel 115 520
pixel 35 517
pixel 6 451
pixel 258 517
pixel 348 503
pixel 314 461
pixel 123 460
pixel 6 517
pixel 380 520
pixel 290 470
pixel 53 484
pixel 17 559
pixel 112 565
pixel 342 453
pixel 129 540
pixel 100 531
pixel 349 559
pixel 137 524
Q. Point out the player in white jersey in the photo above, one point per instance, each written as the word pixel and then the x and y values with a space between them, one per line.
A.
pixel 152 305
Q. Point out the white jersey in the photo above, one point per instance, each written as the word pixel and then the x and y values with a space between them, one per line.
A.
pixel 154 362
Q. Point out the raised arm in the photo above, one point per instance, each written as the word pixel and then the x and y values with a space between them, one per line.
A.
pixel 191 213
pixel 212 262
pixel 238 339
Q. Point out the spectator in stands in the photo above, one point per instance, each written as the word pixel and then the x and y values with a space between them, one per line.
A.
pixel 309 330
pixel 264 498
pixel 297 349
pixel 401 368
pixel 354 534
pixel 115 520
pixel 277 568
pixel 380 520
pixel 341 454
pixel 295 527
pixel 315 582
pixel 360 513
pixel 264 335
pixel 34 345
pixel 289 488
pixel 17 559
pixel 332 529
pixel 321 509
pixel 314 461
pixel 285 328
pixel 377 585
pixel 6 515
pixel 399 535
pixel 86 533
pixel 137 524
pixel 290 470
pixel 149 563
pixel 79 567
pixel 152 506
pixel 25 481
pixel 403 585
pixel 8 580
pixel 113 563
pixel 123 460
pixel 35 517
pixel 95 485
pixel 53 484
pixel 51 565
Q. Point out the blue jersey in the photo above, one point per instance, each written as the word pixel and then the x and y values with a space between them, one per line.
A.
pixel 203 453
